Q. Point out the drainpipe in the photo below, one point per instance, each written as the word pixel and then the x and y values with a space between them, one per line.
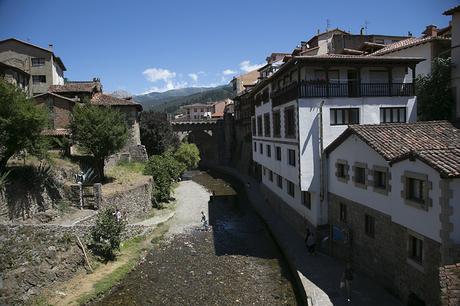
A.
pixel 321 160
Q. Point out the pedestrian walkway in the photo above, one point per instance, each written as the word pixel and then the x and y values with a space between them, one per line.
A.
pixel 320 275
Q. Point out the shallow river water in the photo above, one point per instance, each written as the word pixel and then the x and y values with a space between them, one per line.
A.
pixel 234 263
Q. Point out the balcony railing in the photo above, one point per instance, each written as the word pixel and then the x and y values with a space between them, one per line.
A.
pixel 318 89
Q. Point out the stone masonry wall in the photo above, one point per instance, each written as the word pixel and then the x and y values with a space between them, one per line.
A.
pixel 384 256
pixel 133 202
pixel 450 285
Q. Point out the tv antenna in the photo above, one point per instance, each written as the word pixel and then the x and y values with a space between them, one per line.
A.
pixel 328 24
pixel 366 23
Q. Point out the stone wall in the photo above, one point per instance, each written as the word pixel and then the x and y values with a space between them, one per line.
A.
pixel 384 255
pixel 450 285
pixel 34 257
pixel 133 201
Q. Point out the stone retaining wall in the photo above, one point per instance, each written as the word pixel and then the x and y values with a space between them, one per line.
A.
pixel 33 257
pixel 133 202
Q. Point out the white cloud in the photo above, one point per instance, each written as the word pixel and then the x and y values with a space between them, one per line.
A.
pixel 228 72
pixel 246 66
pixel 193 76
pixel 169 85
pixel 156 74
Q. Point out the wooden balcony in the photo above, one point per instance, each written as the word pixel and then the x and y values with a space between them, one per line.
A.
pixel 319 89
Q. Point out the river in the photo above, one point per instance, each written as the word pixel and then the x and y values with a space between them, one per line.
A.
pixel 236 262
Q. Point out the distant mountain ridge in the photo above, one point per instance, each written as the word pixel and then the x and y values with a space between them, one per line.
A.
pixel 170 101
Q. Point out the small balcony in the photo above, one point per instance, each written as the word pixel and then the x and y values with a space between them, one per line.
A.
pixel 350 89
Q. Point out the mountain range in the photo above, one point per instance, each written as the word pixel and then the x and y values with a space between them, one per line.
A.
pixel 170 101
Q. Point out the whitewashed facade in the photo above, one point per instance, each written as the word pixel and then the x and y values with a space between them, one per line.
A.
pixel 307 101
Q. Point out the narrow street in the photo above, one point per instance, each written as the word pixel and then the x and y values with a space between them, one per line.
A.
pixel 236 262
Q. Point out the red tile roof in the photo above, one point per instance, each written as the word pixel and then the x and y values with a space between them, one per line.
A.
pixel 406 43
pixel 76 87
pixel 107 100
pixel 55 95
pixel 451 11
pixel 435 142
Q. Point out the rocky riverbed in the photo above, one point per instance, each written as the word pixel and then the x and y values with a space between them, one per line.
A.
pixel 235 262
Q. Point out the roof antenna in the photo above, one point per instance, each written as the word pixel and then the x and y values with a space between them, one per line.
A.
pixel 366 23
pixel 328 24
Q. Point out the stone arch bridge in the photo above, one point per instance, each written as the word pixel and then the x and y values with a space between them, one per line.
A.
pixel 207 134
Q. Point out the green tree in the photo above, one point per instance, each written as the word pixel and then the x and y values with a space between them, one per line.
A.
pixel 106 234
pixel 188 154
pixel 164 169
pixel 434 96
pixel 21 123
pixel 156 133
pixel 100 131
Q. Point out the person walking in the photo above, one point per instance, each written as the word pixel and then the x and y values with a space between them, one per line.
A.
pixel 204 221
pixel 347 279
pixel 311 243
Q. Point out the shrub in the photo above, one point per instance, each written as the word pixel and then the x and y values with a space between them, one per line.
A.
pixel 188 154
pixel 106 234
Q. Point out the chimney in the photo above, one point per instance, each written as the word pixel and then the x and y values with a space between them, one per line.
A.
pixel 409 33
pixel 50 47
pixel 430 31
pixel 361 31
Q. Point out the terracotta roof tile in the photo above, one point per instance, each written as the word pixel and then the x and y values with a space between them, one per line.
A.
pixel 435 142
pixel 406 43
pixel 107 100
pixel 76 87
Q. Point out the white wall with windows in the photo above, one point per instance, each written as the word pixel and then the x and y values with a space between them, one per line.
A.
pixel 423 221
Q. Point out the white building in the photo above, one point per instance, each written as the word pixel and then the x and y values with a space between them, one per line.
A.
pixel 394 189
pixel 305 105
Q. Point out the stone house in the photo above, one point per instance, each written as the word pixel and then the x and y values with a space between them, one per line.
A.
pixel 15 76
pixel 43 67
pixel 59 109
pixel 393 193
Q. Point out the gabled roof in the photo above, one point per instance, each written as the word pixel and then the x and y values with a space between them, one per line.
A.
pixel 407 43
pixel 88 87
pixel 55 95
pixel 58 59
pixel 437 143
pixel 107 100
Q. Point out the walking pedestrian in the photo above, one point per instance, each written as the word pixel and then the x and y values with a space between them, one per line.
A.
pixel 347 279
pixel 311 243
pixel 204 221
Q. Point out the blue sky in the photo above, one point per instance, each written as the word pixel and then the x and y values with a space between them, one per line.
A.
pixel 141 46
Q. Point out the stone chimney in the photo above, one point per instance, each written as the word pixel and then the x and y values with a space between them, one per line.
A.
pixel 430 31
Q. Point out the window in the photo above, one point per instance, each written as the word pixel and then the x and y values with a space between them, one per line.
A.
pixel 264 170
pixel 343 116
pixel 380 179
pixel 415 249
pixel 38 61
pixel 255 146
pixel 289 122
pixel 306 199
pixel 269 150
pixel 202 110
pixel 279 181
pixel 38 79
pixel 267 125
pixel 278 153
pixel 254 127
pixel 195 110
pixel 392 114
pixel 369 225
pixel 259 125
pixel 360 175
pixel 290 188
pixel 270 175
pixel 341 170
pixel 415 189
pixel 343 212
pixel 261 147
pixel 276 124
pixel 291 157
